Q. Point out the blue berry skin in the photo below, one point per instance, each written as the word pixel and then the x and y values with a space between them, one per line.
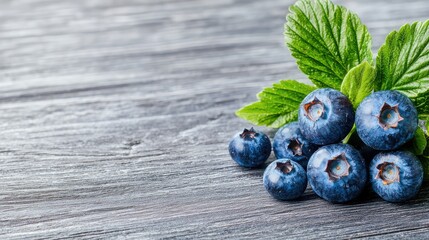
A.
pixel 337 173
pixel 250 148
pixel 325 116
pixel 290 143
pixel 367 152
pixel 386 120
pixel 285 179
pixel 396 176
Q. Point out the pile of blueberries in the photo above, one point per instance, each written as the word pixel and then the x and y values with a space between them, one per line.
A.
pixel 311 149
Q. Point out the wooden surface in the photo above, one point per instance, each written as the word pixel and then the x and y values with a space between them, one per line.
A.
pixel 115 118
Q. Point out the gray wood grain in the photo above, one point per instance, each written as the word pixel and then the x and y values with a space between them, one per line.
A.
pixel 115 119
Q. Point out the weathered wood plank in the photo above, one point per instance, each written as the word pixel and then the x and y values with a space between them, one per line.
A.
pixel 115 118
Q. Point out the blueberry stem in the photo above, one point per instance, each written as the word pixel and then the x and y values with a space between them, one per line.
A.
pixel 388 172
pixel 317 105
pixel 285 167
pixel 338 167
pixel 389 116
pixel 248 133
pixel 296 147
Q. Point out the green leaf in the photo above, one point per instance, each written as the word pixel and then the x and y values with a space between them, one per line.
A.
pixel 359 83
pixel 351 135
pixel 327 40
pixel 426 151
pixel 403 60
pixel 418 143
pixel 425 157
pixel 277 105
pixel 425 117
pixel 421 102
pixel 427 125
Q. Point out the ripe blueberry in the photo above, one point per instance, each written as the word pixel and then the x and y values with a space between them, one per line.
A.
pixel 250 148
pixel 325 116
pixel 290 143
pixel 285 179
pixel 386 120
pixel 366 151
pixel 337 173
pixel 396 176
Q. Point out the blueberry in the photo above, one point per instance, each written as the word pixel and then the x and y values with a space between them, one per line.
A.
pixel 250 148
pixel 325 116
pixel 285 179
pixel 290 143
pixel 366 151
pixel 386 120
pixel 396 176
pixel 337 173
